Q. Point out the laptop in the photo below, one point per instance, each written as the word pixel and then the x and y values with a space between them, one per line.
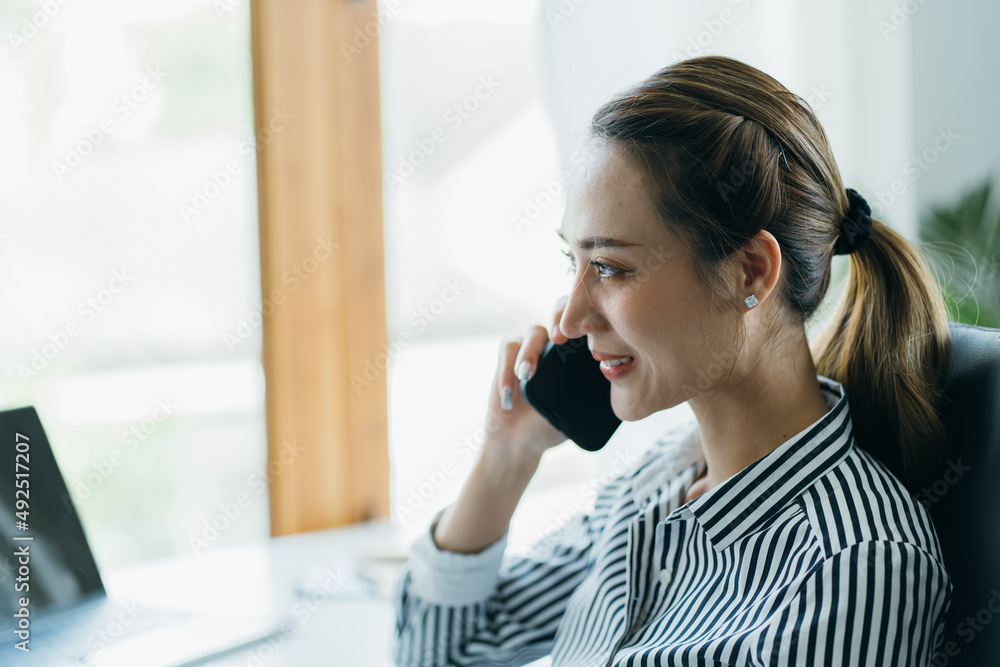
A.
pixel 52 599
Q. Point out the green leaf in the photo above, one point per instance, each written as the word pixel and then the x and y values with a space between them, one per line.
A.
pixel 962 244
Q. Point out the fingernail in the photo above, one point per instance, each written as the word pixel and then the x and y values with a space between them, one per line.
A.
pixel 507 400
pixel 555 329
pixel 524 370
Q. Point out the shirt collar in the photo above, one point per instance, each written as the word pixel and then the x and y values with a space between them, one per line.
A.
pixel 753 496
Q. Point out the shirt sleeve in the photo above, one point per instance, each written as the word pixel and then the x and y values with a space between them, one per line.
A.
pixel 874 603
pixel 484 608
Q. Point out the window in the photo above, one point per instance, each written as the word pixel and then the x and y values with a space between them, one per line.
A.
pixel 129 259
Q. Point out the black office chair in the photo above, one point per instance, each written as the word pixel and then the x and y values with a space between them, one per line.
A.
pixel 965 504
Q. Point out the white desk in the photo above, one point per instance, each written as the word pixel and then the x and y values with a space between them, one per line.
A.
pixel 349 627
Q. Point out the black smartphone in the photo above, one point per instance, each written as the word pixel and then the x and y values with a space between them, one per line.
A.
pixel 569 390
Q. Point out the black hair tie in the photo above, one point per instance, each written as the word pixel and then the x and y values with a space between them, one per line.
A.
pixel 856 226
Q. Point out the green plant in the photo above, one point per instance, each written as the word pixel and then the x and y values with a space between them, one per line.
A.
pixel 962 241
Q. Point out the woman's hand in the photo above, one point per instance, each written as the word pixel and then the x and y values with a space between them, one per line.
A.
pixel 516 431
pixel 516 438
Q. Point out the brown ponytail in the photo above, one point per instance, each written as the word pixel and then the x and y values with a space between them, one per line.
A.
pixel 888 343
pixel 729 151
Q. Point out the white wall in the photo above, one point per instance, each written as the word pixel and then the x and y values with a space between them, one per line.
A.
pixel 856 74
pixel 955 54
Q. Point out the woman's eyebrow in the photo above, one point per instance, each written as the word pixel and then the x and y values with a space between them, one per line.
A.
pixel 599 242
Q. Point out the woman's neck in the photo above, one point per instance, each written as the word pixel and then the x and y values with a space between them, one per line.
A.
pixel 745 421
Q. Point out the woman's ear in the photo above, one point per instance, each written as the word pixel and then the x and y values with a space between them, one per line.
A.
pixel 760 265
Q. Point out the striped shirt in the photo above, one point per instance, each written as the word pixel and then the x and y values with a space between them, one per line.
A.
pixel 814 554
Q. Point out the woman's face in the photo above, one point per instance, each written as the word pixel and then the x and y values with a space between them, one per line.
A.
pixel 645 301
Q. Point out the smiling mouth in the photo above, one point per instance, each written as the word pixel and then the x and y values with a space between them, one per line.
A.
pixel 610 363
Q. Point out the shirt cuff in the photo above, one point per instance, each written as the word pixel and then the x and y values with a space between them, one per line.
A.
pixel 452 578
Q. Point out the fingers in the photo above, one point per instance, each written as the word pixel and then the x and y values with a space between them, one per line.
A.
pixel 556 334
pixel 519 355
pixel 532 347
pixel 507 379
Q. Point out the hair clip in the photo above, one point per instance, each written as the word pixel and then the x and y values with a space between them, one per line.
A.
pixel 782 153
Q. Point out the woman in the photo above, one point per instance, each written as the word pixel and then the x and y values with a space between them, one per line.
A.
pixel 779 530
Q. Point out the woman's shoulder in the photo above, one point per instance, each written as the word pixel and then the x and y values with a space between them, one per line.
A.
pixel 860 500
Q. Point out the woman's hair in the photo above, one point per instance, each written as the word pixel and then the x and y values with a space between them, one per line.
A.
pixel 728 151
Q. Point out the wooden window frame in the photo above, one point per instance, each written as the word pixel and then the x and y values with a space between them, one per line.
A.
pixel 319 183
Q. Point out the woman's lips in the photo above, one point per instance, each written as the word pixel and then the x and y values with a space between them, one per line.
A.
pixel 617 370
pixel 604 356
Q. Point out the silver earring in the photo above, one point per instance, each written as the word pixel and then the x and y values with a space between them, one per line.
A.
pixel 750 301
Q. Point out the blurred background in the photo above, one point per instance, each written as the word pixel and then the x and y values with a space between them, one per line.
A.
pixel 130 273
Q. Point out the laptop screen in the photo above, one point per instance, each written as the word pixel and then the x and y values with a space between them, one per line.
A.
pixel 45 555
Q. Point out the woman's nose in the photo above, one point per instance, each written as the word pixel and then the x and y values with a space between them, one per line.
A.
pixel 580 316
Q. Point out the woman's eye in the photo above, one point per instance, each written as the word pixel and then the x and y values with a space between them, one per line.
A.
pixel 604 272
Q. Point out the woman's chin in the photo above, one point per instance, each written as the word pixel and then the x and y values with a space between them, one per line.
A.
pixel 625 408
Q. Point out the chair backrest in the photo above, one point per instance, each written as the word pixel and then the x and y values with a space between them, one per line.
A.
pixel 964 500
